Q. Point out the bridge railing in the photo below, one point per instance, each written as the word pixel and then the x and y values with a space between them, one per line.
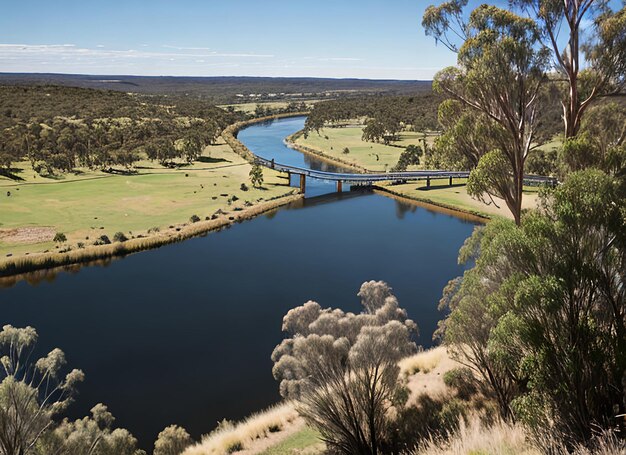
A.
pixel 532 180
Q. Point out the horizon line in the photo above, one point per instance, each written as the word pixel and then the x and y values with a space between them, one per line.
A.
pixel 212 77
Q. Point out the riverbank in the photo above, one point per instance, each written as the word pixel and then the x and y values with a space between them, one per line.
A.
pixel 280 431
pixel 291 142
pixel 454 199
pixel 25 264
pixel 440 196
pixel 345 144
pixel 230 133
pixel 143 208
pixel 433 204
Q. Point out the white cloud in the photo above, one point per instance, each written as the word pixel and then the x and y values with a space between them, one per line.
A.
pixel 334 59
pixel 70 58
pixel 187 48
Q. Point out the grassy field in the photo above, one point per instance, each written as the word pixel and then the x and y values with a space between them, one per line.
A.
pixel 370 155
pixel 456 197
pixel 249 108
pixel 91 204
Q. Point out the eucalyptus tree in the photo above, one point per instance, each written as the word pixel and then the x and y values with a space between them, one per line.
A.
pixel 541 317
pixel 31 393
pixel 34 392
pixel 464 140
pixel 91 435
pixel 500 70
pixel 256 175
pixel 588 43
pixel 342 369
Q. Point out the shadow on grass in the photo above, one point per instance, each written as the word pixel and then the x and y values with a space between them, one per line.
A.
pixel 440 187
pixel 120 171
pixel 208 159
pixel 12 173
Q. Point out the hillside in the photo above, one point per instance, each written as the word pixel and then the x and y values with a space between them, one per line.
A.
pixel 223 89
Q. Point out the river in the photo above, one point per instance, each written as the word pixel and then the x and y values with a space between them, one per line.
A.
pixel 183 333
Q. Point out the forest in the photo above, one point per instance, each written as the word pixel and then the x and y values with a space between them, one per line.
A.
pixel 58 128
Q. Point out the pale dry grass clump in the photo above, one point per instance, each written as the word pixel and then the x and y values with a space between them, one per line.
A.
pixel 501 438
pixel 474 438
pixel 231 438
pixel 422 362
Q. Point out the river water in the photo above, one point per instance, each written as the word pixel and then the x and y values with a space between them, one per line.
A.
pixel 183 334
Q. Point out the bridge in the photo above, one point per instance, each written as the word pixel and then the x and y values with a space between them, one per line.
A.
pixel 368 179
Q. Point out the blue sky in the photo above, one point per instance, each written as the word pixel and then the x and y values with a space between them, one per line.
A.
pixel 366 38
pixel 321 38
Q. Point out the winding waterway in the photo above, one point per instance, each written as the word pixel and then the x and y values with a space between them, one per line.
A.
pixel 183 334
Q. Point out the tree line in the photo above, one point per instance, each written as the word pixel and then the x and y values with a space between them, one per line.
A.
pixel 385 115
pixel 59 128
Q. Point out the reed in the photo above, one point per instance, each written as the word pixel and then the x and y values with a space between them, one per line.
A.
pixel 473 437
pixel 23 264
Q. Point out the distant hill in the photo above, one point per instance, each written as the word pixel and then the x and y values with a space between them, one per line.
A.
pixel 224 89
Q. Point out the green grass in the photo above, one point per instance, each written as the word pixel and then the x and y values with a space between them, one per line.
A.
pixel 95 203
pixel 306 441
pixel 370 155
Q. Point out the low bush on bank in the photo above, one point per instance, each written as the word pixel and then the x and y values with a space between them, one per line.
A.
pixel 119 237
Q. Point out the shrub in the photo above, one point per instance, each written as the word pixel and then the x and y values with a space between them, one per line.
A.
pixel 102 240
pixel 194 218
pixel 173 440
pixel 346 151
pixel 59 237
pixel 244 187
pixel 462 381
pixel 119 237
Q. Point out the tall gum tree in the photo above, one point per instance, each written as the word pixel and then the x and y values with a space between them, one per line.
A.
pixel 588 43
pixel 501 66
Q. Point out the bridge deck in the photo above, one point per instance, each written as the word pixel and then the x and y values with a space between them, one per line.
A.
pixel 354 178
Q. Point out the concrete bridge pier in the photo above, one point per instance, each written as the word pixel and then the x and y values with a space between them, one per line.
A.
pixel 302 183
pixel 450 181
pixel 339 186
pixel 428 182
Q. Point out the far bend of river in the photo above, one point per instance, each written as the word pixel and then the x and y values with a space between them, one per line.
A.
pixel 183 334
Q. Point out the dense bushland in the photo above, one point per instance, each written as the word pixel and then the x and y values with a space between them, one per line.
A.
pixel 60 128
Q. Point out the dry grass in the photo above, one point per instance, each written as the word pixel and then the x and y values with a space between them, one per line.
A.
pixel 422 362
pixel 474 438
pixel 238 437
